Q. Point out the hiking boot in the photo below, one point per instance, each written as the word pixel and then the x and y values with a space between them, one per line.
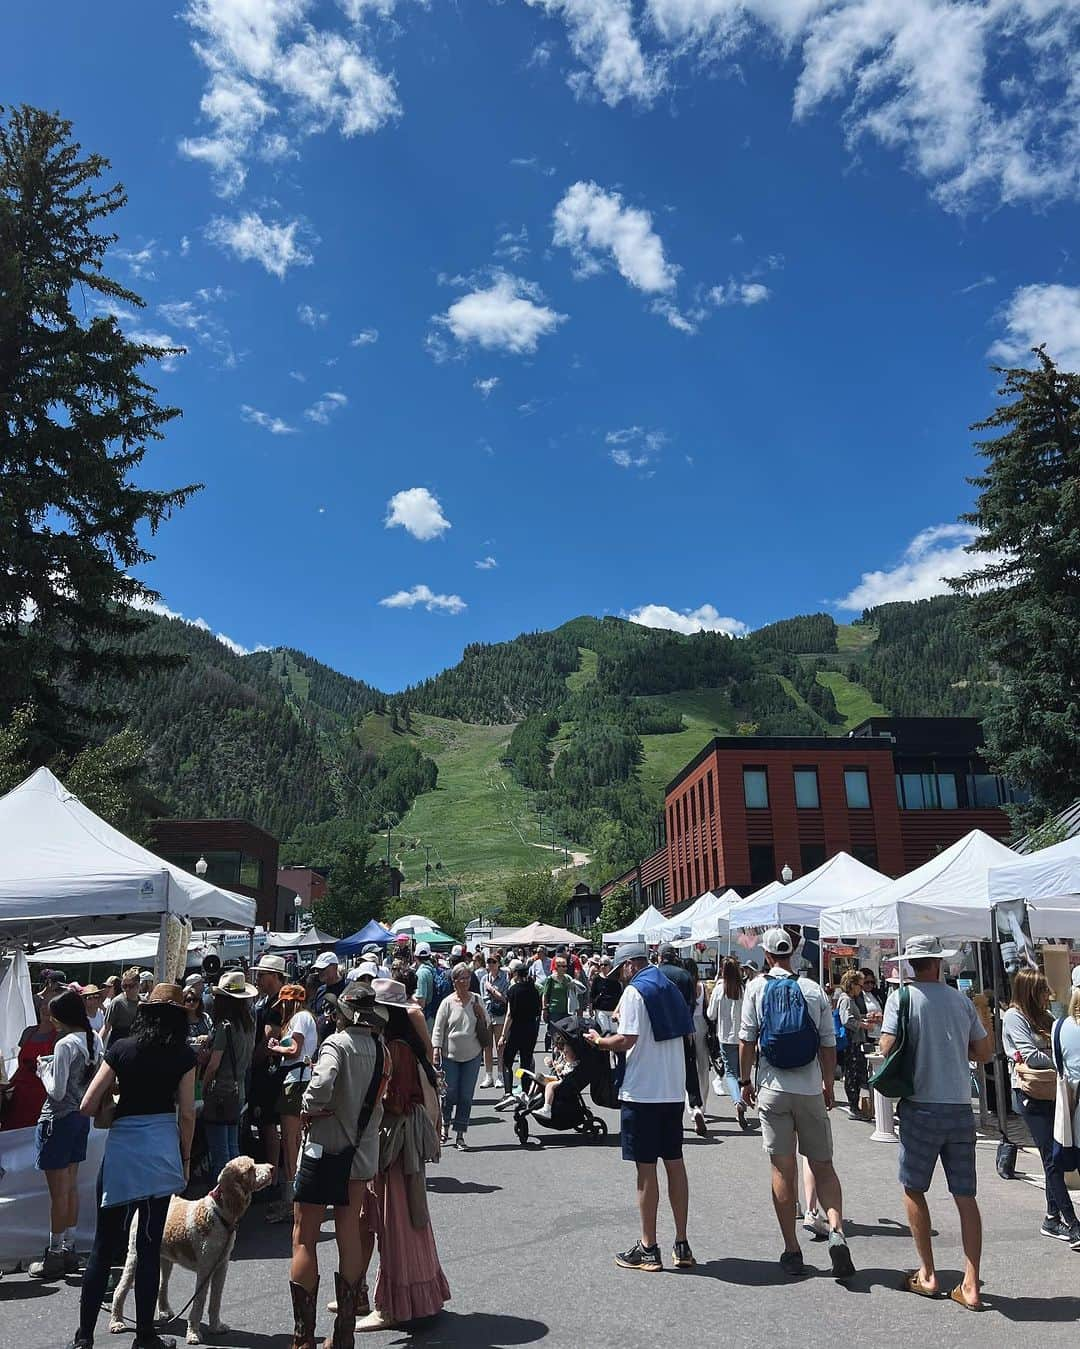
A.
pixel 682 1257
pixel 842 1264
pixel 50 1266
pixel 640 1257
pixel 791 1262
pixel 1053 1226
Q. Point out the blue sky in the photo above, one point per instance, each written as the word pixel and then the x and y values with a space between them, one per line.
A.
pixel 505 313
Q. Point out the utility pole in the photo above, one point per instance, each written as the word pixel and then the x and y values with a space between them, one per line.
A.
pixel 540 816
pixel 427 864
pixel 552 838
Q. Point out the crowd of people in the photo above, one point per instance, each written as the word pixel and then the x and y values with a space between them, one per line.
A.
pixel 350 1081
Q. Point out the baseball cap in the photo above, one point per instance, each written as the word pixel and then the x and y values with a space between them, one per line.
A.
pixel 778 942
pixel 631 950
pixel 369 949
pixel 667 951
pixel 423 949
pixel 516 965
pixel 325 960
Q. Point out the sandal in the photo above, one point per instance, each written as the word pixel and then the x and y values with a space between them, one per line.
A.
pixel 957 1296
pixel 913 1284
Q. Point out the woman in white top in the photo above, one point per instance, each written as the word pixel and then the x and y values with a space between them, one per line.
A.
pixel 458 1051
pixel 62 1130
pixel 297 1047
pixel 725 1012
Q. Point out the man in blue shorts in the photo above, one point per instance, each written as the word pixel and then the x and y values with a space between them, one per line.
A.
pixel 653 1024
pixel 936 1120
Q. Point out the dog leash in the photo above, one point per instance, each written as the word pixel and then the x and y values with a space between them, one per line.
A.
pixel 215 1195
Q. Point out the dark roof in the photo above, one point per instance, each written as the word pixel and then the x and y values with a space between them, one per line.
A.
pixel 747 744
pixel 1067 821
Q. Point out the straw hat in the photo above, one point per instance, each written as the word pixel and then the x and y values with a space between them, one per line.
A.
pixel 171 993
pixel 234 983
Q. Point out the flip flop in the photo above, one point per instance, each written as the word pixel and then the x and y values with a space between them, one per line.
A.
pixel 957 1296
pixel 912 1284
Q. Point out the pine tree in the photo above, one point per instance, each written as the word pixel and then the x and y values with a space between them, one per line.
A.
pixel 1024 604
pixel 75 421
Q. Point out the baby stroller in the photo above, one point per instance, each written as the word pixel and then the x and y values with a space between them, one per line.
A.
pixel 592 1071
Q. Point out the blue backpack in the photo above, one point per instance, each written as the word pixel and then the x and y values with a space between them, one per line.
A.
pixel 788 1036
pixel 441 989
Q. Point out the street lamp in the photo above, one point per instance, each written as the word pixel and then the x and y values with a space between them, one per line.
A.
pixel 201 867
pixel 786 874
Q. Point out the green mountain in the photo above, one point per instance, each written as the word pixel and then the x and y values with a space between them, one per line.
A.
pixel 579 728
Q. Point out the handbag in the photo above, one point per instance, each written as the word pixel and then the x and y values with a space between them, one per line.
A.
pixel 896 1076
pixel 221 1100
pixel 106 1111
pixel 483 1026
pixel 322 1177
pixel 1038 1083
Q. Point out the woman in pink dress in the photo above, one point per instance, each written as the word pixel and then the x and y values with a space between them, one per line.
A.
pixel 411 1283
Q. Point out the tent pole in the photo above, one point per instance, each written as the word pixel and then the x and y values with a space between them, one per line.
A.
pixel 1000 1086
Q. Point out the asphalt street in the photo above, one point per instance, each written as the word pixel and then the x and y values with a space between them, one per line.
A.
pixel 527 1235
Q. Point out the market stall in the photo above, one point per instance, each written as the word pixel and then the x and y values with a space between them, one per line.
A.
pixel 539 934
pixel 645 927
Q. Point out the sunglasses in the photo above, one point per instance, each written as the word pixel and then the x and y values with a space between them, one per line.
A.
pixel 193 1000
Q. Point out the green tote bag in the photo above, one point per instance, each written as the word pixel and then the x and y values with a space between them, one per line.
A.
pixel 896 1076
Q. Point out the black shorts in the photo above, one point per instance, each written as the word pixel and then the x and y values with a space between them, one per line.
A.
pixel 652 1130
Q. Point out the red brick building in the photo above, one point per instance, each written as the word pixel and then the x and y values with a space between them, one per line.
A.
pixel 239 856
pixel 892 792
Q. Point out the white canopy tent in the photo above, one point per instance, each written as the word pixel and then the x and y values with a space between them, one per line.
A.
pixel 66 873
pixel 678 927
pixel 840 879
pixel 645 927
pixel 1047 878
pixel 945 897
pixel 711 923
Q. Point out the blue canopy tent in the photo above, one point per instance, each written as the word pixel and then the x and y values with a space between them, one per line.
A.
pixel 370 932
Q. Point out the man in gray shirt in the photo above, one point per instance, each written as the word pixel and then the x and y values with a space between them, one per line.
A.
pixel 937 1120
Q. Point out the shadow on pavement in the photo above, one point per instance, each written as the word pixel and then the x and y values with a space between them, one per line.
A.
pixel 476 1330
pixel 886 1227
pixel 451 1185
pixel 748 1273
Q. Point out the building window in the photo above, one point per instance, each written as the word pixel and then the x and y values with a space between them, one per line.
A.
pixel 712 806
pixel 806 789
pixel 865 853
pixel 762 864
pixel 755 788
pixel 927 791
pixel 811 856
pixel 857 788
pixel 715 869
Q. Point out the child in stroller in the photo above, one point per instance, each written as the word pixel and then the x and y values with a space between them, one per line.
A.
pixel 556 1102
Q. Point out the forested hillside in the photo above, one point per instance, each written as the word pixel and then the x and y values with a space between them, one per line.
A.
pixel 592 718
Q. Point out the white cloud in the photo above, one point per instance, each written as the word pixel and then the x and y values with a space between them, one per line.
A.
pixel 275 425
pixel 635 446
pixel 366 337
pixel 253 239
pixel 194 316
pixel 418 512
pixel 740 292
pixel 185 245
pixel 513 246
pixel 602 37
pixel 422 594
pixel 149 337
pixel 506 316
pixel 159 607
pixel 532 162
pixel 485 387
pixel 267 58
pixel 706 618
pixel 931 556
pixel 298 375
pixel 311 316
pixel 323 408
pixel 486 564
pixel 977 285
pixel 140 261
pixel 1036 315
pixel 589 221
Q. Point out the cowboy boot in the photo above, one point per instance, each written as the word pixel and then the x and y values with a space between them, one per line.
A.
pixel 347 1295
pixel 305 1305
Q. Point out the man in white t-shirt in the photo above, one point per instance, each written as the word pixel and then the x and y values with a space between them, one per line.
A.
pixel 651 1097
pixel 793 1101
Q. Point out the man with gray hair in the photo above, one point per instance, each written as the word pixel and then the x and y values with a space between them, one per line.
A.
pixel 654 1022
pixel 937 1120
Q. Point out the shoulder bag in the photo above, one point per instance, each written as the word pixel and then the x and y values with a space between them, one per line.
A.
pixel 896 1076
pixel 1038 1084
pixel 221 1100
pixel 323 1177
pixel 483 1025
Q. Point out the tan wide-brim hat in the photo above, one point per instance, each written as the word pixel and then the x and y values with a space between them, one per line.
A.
pixel 234 983
pixel 171 993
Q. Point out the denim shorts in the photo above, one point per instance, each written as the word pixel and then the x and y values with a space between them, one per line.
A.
pixel 929 1131
pixel 61 1142
pixel 651 1130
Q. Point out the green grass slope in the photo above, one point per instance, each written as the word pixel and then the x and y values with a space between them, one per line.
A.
pixel 585 674
pixel 478 818
pixel 705 713
pixel 853 702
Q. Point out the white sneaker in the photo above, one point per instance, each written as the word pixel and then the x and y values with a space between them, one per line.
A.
pixel 485 1081
pixel 817 1224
